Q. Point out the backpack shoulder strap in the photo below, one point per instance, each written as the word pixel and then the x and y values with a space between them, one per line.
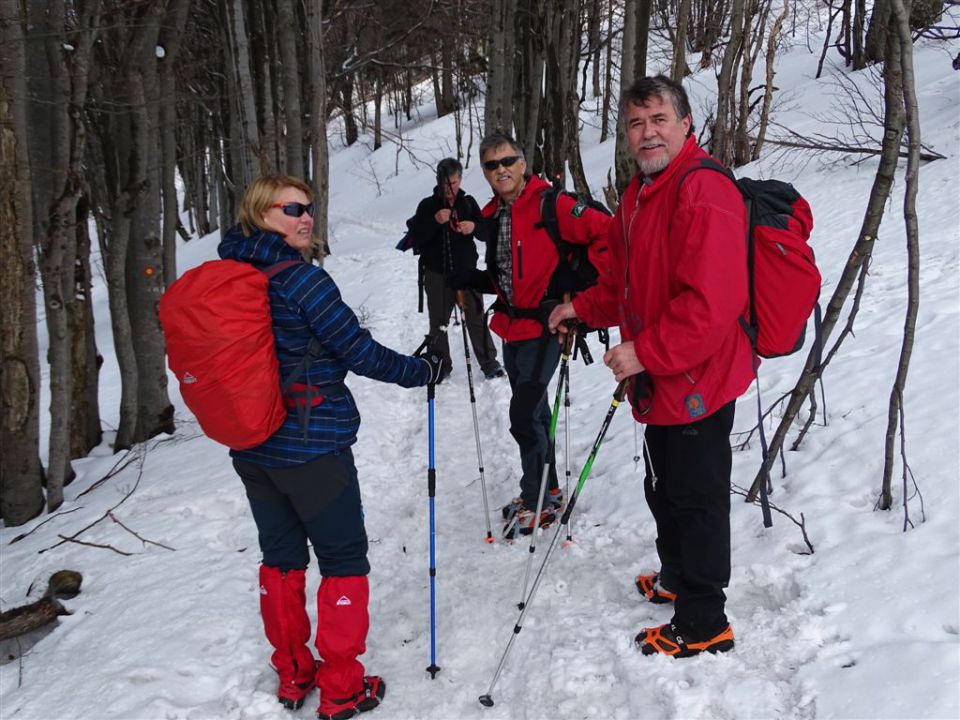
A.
pixel 708 163
pixel 272 270
pixel 548 215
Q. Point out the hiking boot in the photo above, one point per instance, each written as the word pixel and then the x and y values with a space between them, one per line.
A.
pixel 511 508
pixel 555 500
pixel 292 694
pixel 525 519
pixel 667 640
pixel 649 586
pixel 367 699
pixel 495 372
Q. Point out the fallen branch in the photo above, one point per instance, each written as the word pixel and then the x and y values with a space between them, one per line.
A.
pixel 36 527
pixel 802 523
pixel 92 544
pixel 141 539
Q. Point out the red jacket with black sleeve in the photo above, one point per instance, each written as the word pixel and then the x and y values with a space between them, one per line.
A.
pixel 535 255
pixel 677 288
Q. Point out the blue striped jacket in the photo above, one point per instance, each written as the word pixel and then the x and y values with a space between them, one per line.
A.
pixel 304 303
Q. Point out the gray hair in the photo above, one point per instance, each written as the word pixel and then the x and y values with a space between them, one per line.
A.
pixel 495 140
pixel 658 86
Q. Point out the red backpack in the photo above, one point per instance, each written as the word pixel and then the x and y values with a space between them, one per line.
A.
pixel 216 320
pixel 783 275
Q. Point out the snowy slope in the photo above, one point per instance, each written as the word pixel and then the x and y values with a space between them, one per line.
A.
pixel 866 627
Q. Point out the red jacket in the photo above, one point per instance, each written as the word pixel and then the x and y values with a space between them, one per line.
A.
pixel 534 253
pixel 677 287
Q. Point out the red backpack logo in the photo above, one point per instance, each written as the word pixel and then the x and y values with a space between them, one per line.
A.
pixel 783 275
pixel 216 320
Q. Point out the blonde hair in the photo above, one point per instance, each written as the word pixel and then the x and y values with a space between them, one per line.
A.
pixel 259 197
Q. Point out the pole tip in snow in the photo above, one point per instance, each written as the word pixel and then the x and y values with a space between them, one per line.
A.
pixel 568 543
pixel 433 670
pixel 488 539
pixel 486 700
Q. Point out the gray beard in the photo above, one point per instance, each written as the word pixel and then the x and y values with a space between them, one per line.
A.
pixel 654 166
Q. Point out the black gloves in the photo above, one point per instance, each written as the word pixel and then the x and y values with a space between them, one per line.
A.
pixel 434 362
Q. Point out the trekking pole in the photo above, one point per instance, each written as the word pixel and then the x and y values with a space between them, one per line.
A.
pixel 487 699
pixel 566 451
pixel 432 492
pixel 433 669
pixel 461 302
pixel 551 453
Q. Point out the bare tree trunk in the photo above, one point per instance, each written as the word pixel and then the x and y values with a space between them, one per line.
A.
pixel 636 17
pixel 768 85
pixel 594 21
pixel 287 40
pixel 607 78
pixel 862 251
pixel 498 111
pixel 445 99
pixel 679 69
pixel 145 257
pixel 529 79
pixel 21 475
pixel 85 432
pixel 876 43
pixel 377 109
pixel 56 212
pixel 900 56
pixel 722 141
pixel 859 59
pixel 252 163
pixel 569 56
pixel 170 41
pixel 319 112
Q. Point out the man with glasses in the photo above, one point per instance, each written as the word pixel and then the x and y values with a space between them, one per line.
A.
pixel 444 228
pixel 678 289
pixel 522 261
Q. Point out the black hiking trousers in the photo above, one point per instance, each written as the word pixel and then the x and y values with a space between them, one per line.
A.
pixel 687 486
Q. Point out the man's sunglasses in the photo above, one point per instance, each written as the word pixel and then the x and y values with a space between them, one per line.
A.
pixel 507 161
pixel 295 209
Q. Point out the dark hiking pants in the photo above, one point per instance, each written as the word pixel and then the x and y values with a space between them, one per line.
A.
pixel 440 302
pixel 319 502
pixel 690 502
pixel 530 364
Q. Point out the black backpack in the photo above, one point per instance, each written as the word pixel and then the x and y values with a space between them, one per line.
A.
pixel 574 271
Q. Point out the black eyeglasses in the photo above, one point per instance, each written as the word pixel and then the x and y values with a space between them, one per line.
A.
pixel 295 209
pixel 507 161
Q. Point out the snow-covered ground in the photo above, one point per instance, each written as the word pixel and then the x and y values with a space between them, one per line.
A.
pixel 866 627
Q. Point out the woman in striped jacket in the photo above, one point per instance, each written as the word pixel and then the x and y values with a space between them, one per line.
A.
pixel 302 481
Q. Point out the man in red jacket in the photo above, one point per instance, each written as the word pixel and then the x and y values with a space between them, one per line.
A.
pixel 522 269
pixel 677 289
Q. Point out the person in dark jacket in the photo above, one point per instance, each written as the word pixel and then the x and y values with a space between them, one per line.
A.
pixel 444 228
pixel 302 483
pixel 522 269
pixel 678 292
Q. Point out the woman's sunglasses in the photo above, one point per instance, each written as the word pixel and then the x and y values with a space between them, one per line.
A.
pixel 507 161
pixel 295 209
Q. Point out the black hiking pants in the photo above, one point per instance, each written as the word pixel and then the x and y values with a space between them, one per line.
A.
pixel 688 490
pixel 440 302
pixel 530 364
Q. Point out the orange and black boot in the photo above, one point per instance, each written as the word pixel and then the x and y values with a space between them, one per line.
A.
pixel 287 626
pixel 667 640
pixel 649 586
